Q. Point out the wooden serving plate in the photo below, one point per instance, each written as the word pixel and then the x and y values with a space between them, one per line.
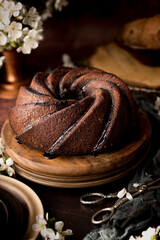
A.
pixel 77 171
pixel 19 197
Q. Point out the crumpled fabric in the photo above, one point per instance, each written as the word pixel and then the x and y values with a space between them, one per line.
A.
pixel 137 214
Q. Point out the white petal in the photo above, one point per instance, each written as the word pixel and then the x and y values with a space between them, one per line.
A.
pixel 129 196
pixel 3 39
pixel 1 63
pixel 122 193
pixel 58 236
pixel 1 161
pixel 10 171
pixel 136 185
pixel 1 26
pixel 3 167
pixel 131 238
pixel 6 19
pixel 49 233
pixel 16 13
pixel 34 44
pixel 32 10
pixel 68 232
pixel 148 233
pixel 17 34
pixel 39 217
pixel 47 216
pixel 18 6
pixel 59 225
pixel 19 49
pixel 44 232
pixel 36 227
pixel 9 162
pixel 16 25
pixel 24 49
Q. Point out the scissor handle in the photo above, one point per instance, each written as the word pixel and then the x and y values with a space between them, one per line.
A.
pixel 106 210
pixel 100 197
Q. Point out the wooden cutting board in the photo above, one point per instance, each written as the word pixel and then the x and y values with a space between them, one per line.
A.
pixel 128 64
pixel 77 171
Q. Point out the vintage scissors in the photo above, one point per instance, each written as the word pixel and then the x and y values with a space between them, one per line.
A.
pixel 110 210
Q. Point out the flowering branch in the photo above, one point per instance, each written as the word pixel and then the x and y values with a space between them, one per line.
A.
pixel 21 27
pixel 5 162
pixel 50 229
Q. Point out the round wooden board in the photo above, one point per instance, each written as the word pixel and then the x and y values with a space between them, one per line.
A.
pixel 77 171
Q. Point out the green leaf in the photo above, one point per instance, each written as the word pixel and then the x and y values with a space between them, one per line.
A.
pixel 51 222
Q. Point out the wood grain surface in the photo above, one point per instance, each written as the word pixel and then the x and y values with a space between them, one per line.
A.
pixel 128 64
pixel 77 171
pixel 28 199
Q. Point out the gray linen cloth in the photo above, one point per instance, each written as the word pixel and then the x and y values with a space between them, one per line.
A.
pixel 138 214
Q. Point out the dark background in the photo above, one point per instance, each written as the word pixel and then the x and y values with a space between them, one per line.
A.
pixel 82 26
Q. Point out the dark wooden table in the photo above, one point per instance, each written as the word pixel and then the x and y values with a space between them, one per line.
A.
pixel 78 35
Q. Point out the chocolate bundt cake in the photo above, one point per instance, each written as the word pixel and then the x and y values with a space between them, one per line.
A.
pixel 74 111
pixel 142 33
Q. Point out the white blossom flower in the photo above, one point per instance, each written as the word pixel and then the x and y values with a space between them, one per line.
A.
pixel 157 105
pixel 6 166
pixel 31 41
pixel 49 233
pixel 59 4
pixel 32 18
pixel 14 30
pixel 12 7
pixel 9 169
pixel 32 38
pixel 67 62
pixel 59 226
pixel 2 165
pixel 149 234
pixel 40 224
pixel 123 193
pixel 47 13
